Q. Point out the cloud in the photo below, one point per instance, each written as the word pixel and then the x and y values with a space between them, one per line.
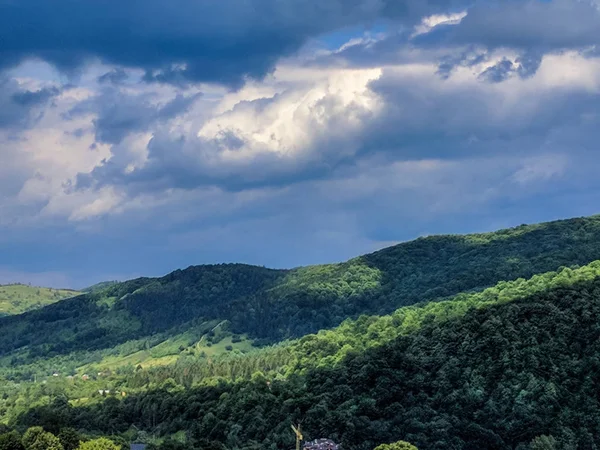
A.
pixel 528 25
pixel 437 120
pixel 463 38
pixel 429 23
pixel 21 107
pixel 542 168
pixel 223 41
pixel 349 213
pixel 498 72
pixel 293 135
pixel 118 114
pixel 340 116
pixel 115 76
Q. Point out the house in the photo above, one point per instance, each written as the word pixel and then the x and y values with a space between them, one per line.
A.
pixel 321 444
pixel 137 447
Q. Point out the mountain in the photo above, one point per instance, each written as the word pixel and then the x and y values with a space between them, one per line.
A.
pixel 468 342
pixel 268 306
pixel 495 370
pixel 19 298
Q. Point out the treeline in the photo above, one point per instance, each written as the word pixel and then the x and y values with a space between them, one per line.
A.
pixel 498 377
pixel 36 438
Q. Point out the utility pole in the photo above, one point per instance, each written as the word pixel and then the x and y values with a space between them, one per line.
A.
pixel 299 436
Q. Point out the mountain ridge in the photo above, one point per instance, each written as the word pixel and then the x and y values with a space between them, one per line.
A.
pixel 397 344
pixel 496 377
pixel 270 305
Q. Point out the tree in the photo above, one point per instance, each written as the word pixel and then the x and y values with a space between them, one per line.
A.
pixel 171 444
pixel 11 441
pixel 400 445
pixel 543 443
pixel 31 435
pixel 35 438
pixel 99 444
pixel 69 438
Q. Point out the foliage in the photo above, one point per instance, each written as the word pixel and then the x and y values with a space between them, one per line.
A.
pixel 69 438
pixel 543 443
pixel 99 444
pixel 100 286
pixel 493 378
pixel 442 360
pixel 11 441
pixel 329 347
pixel 35 438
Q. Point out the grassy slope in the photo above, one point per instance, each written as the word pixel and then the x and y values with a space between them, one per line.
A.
pixel 168 351
pixel 19 298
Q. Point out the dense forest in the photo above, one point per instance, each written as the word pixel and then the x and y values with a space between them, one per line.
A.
pixel 495 378
pixel 446 342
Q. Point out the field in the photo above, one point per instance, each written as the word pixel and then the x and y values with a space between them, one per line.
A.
pixel 19 298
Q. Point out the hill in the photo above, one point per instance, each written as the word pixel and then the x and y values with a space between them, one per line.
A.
pixel 162 318
pixel 493 369
pixel 19 298
pixel 99 286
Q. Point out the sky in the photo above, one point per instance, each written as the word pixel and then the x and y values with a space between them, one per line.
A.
pixel 140 137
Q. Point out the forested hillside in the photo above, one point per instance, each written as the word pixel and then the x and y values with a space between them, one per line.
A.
pixel 495 377
pixel 271 305
pixel 19 298
pixel 466 342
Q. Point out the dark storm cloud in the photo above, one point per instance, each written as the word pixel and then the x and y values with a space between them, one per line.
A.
pixel 525 66
pixel 33 98
pixel 221 41
pixel 119 114
pixel 18 106
pixel 530 25
pixel 342 192
pixel 498 72
pixel 463 122
pixel 115 76
pixel 465 58
pixel 528 64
